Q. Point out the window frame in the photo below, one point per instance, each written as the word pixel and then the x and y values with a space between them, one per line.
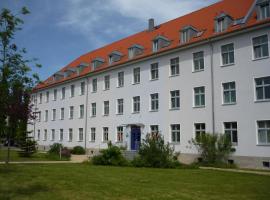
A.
pixel 194 97
pixel 154 69
pixel 92 137
pixel 154 101
pixel 136 75
pixel 106 107
pixel 255 90
pixel 136 103
pixel 253 52
pixel 198 59
pixel 222 64
pixel 120 79
pixel 93 109
pixel 231 129
pixel 94 85
pixel 70 133
pixel 105 138
pixel 230 93
pixel 175 132
pixel 176 65
pixel 107 83
pixel 120 105
pixel 177 100
pixel 257 133
pixel 72 91
pixel 119 134
pixel 80 135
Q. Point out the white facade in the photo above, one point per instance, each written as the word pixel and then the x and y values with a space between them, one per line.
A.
pixel 245 111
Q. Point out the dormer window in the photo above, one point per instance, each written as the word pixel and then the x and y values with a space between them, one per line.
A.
pixel 187 33
pixel 222 22
pixel 58 76
pixel 114 57
pixel 81 67
pixel 263 9
pixel 97 62
pixel 134 51
pixel 69 71
pixel 160 42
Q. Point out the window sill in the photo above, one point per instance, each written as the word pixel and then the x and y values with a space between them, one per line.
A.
pixel 174 143
pixel 172 109
pixel 70 118
pixel 71 96
pixel 227 65
pixel 119 114
pixel 261 58
pixel 263 145
pixel 136 83
pixel 94 92
pixel 80 141
pixel 106 89
pixel 92 141
pixel 155 79
pixel 228 104
pixel 198 106
pixel 175 75
pixel 153 110
pixel 105 115
pixel 261 101
pixel 119 142
pixel 196 71
pixel 135 112
pixel 92 116
pixel 119 86
pixel 105 142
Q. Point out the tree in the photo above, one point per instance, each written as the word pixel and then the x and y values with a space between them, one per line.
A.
pixel 16 79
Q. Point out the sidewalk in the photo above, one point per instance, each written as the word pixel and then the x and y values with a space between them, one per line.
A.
pixel 265 173
pixel 40 162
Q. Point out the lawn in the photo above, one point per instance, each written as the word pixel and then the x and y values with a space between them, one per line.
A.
pixel 83 181
pixel 39 156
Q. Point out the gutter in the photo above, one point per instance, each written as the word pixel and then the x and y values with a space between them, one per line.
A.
pixel 212 88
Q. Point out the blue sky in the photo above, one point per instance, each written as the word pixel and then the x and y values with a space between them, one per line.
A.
pixel 58 31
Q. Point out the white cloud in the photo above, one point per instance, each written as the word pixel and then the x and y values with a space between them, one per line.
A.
pixel 102 21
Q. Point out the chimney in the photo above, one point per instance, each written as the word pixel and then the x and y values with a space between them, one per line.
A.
pixel 151 24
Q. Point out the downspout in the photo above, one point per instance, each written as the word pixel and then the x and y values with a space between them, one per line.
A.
pixel 86 113
pixel 212 88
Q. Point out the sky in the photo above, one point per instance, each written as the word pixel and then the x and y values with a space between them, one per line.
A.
pixel 58 31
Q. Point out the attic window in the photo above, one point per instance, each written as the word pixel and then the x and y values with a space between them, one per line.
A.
pixel 81 67
pixel 69 71
pixel 97 62
pixel 187 33
pixel 134 51
pixel 58 76
pixel 222 22
pixel 160 42
pixel 263 9
pixel 114 57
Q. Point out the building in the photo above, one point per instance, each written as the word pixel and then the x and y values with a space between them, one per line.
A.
pixel 207 71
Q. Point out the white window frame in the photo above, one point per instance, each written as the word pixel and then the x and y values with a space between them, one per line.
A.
pixel 82 88
pixel 175 132
pixel 176 66
pixel 257 131
pixel 154 70
pixel 47 96
pixel 201 68
pixel 136 75
pixel 72 91
pixel 106 108
pixel 200 94
pixel 93 109
pixel 200 131
pixel 52 134
pixel 231 130
pixel 119 134
pixel 71 112
pixel 55 94
pixel 228 53
pixel 154 102
pixel 45 135
pixel 81 111
pixel 230 91
pixel 63 93
pixel 70 134
pixel 255 90
pixel 80 135
pixel 53 114
pixel 105 130
pixel 61 134
pixel 136 102
pixel 94 85
pixel 120 79
pixel 120 106
pixel 62 113
pixel 107 82
pixel 176 98
pixel 253 52
pixel 92 137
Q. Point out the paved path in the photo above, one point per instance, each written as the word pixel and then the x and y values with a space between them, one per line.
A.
pixel 266 173
pixel 41 162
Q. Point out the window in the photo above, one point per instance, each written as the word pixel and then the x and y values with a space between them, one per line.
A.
pixel 175 130
pixel 198 61
pixel 47 96
pixel 93 135
pixel 154 71
pixel 260 47
pixel 262 88
pixel 199 96
pixel 39 116
pixel 175 99
pixel 94 109
pixel 62 113
pixel 154 102
pixel 221 25
pixel 107 82
pixel 45 135
pixel 82 88
pixel 106 110
pixel 80 134
pixel 199 129
pixel 70 134
pixel 184 36
pixel 136 104
pixel 63 93
pixel 155 46
pixel 120 79
pixel 40 98
pixel 105 134
pixel 229 93
pixel 94 85
pixel 61 135
pixel 55 95
pixel 227 54
pixel 120 134
pixel 174 66
pixel 72 90
pixel 120 106
pixel 38 135
pixel 263 132
pixel 230 130
pixel 154 130
pixel 53 114
pixel 46 115
pixel 264 10
pixel 52 135
pixel 81 115
pixel 71 112
pixel 136 75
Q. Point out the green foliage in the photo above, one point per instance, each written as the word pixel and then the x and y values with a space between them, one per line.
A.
pixel 154 152
pixel 78 150
pixel 28 148
pixel 55 148
pixel 213 148
pixel 110 156
pixel 54 151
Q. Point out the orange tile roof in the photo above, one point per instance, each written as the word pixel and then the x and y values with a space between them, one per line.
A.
pixel 202 20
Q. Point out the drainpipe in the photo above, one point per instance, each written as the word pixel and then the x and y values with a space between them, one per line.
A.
pixel 86 113
pixel 212 88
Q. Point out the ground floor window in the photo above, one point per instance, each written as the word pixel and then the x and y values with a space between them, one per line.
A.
pixel 38 135
pixel 120 134
pixel 105 134
pixel 199 129
pixel 263 132
pixel 53 135
pixel 45 135
pixel 61 135
pixel 154 130
pixel 93 135
pixel 175 131
pixel 80 134
pixel 230 129
pixel 70 134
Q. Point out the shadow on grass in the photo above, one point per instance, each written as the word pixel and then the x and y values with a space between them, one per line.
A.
pixel 23 190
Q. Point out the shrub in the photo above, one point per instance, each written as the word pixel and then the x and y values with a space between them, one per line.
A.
pixel 154 152
pixel 110 156
pixel 78 150
pixel 28 148
pixel 55 148
pixel 213 148
pixel 55 151
pixel 65 152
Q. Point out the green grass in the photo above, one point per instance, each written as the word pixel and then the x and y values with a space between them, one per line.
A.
pixel 83 181
pixel 39 156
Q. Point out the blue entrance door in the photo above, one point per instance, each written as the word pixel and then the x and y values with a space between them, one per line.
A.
pixel 135 137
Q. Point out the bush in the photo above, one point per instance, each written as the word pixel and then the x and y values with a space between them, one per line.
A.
pixel 55 151
pixel 214 148
pixel 28 148
pixel 65 152
pixel 154 152
pixel 110 156
pixel 55 148
pixel 78 150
